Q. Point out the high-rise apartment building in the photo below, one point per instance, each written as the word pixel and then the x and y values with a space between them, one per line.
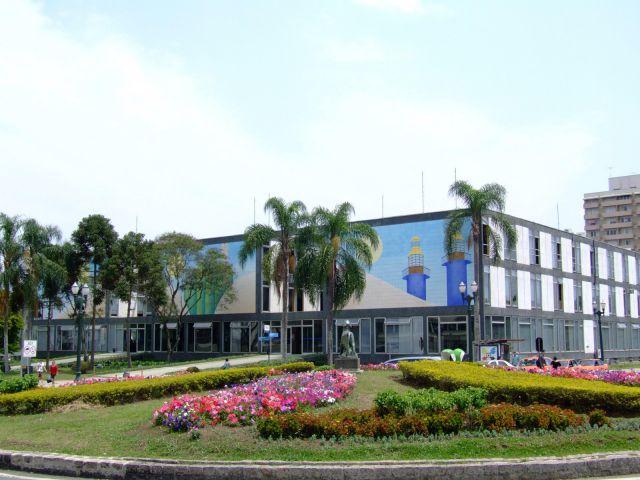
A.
pixel 614 216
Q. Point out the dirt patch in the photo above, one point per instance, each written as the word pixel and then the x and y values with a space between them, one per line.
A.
pixel 76 406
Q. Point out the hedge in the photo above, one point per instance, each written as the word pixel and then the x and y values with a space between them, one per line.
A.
pixel 44 399
pixel 526 388
pixel 18 384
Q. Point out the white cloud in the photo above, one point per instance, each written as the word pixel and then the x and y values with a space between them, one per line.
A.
pixel 102 126
pixel 355 51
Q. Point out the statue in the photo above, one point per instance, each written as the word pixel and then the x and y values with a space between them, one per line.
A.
pixel 347 343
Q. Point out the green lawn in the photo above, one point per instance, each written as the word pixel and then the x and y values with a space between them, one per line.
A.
pixel 127 431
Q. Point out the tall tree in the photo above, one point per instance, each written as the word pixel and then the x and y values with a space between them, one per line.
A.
pixel 132 268
pixel 332 257
pixel 35 239
pixel 288 219
pixel 11 252
pixel 484 208
pixel 62 263
pixel 190 271
pixel 95 237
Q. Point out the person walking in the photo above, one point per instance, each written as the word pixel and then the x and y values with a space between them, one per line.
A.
pixel 555 364
pixel 53 371
pixel 40 370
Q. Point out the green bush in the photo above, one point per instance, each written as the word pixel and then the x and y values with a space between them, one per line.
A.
pixel 193 369
pixel 116 393
pixel 525 388
pixel 599 417
pixel 428 400
pixel 18 384
pixel 367 423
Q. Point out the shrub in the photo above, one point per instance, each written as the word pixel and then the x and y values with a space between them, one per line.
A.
pixel 42 400
pixel 428 400
pixel 599 417
pixel 193 369
pixel 533 417
pixel 18 384
pixel 526 388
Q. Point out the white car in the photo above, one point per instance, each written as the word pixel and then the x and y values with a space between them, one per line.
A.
pixel 498 363
pixel 409 359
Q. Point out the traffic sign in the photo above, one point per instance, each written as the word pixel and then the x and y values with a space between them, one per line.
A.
pixel 29 348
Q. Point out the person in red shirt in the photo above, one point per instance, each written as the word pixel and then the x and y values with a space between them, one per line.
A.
pixel 53 371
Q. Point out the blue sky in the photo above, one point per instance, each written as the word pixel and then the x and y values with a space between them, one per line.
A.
pixel 181 113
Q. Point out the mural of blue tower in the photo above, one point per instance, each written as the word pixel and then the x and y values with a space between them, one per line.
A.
pixel 456 265
pixel 416 273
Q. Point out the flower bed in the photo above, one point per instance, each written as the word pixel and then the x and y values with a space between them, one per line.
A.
pixel 94 380
pixel 242 404
pixel 616 377
pixel 379 366
pixel 525 388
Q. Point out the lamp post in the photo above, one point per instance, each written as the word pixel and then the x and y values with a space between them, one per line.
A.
pixel 469 300
pixel 80 301
pixel 600 312
pixel 267 331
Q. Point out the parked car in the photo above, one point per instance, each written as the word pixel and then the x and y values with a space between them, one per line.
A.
pixel 409 359
pixel 568 362
pixel 529 363
pixel 592 364
pixel 498 363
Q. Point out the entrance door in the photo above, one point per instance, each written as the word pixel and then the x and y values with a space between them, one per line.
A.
pixel 454 335
pixel 295 340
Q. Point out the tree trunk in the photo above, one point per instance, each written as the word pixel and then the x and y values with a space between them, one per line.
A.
pixel 169 344
pixel 7 367
pixel 285 305
pixel 128 330
pixel 93 318
pixel 329 306
pixel 49 317
pixel 474 334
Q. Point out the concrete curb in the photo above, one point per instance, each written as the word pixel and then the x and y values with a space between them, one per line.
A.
pixel 548 468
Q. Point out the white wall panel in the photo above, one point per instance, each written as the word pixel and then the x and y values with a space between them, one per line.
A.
pixel 547 292
pixel 604 298
pixel 589 336
pixel 524 290
pixel 631 268
pixel 567 260
pixel 522 250
pixel 497 287
pixel 546 250
pixel 619 301
pixel 585 259
pixel 602 264
pixel 634 304
pixel 567 290
pixel 587 297
pixel 617 266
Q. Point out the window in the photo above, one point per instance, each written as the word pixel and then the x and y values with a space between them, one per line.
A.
pixel 635 336
pixel 266 287
pixel 569 336
pixel 485 240
pixel 577 296
pixel 534 248
pixel 398 335
pixel 536 290
pixel 558 293
pixel 548 336
pixel 511 287
pixel 557 253
pixel 65 336
pixel 486 287
pixel 610 265
pixel 575 257
pixel 526 331
pixel 241 336
pixel 621 328
pixel 510 251
pixel 498 328
pixel 627 303
pixel 612 302
pixel 433 343
pixel 625 274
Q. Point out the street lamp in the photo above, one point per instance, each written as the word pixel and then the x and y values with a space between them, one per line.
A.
pixel 600 312
pixel 267 331
pixel 80 301
pixel 469 300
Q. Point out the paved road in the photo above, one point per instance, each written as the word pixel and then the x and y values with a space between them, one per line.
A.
pixel 14 475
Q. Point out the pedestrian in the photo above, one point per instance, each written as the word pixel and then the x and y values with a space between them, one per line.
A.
pixel 555 363
pixel 53 371
pixel 541 362
pixel 226 364
pixel 515 359
pixel 40 370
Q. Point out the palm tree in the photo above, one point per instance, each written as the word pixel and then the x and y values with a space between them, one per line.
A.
pixel 288 218
pixel 11 251
pixel 333 255
pixel 485 209
pixel 54 284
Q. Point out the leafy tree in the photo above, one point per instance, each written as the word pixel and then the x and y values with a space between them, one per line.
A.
pixel 94 238
pixel 288 218
pixel 11 251
pixel 35 239
pixel 189 272
pixel 16 324
pixel 484 206
pixel 55 283
pixel 133 267
pixel 332 256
